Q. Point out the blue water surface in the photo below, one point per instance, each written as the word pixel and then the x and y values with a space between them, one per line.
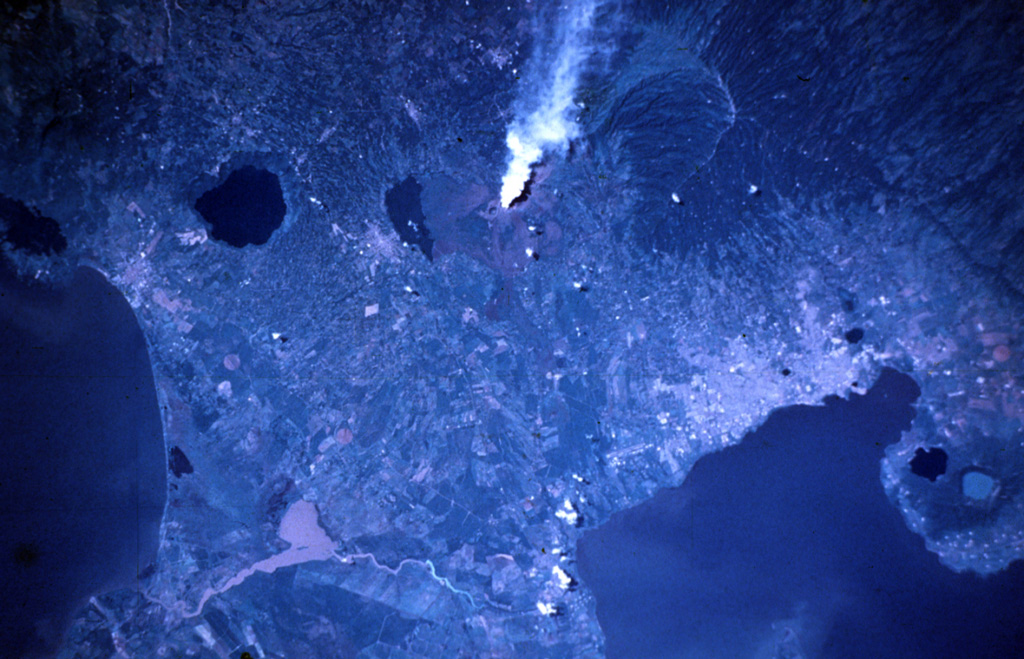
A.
pixel 82 479
pixel 786 546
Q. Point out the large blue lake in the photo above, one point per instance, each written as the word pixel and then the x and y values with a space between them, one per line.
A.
pixel 82 479
pixel 786 546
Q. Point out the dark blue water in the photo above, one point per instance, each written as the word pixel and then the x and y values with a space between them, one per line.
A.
pixel 405 210
pixel 246 208
pixel 787 546
pixel 26 229
pixel 82 475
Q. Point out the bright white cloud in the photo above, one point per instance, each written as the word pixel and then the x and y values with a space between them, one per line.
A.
pixel 564 580
pixel 549 123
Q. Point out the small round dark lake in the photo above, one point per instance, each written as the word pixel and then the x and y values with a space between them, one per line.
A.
pixel 83 475
pixel 786 546
pixel 245 209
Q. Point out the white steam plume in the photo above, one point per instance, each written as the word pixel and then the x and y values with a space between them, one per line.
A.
pixel 548 124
